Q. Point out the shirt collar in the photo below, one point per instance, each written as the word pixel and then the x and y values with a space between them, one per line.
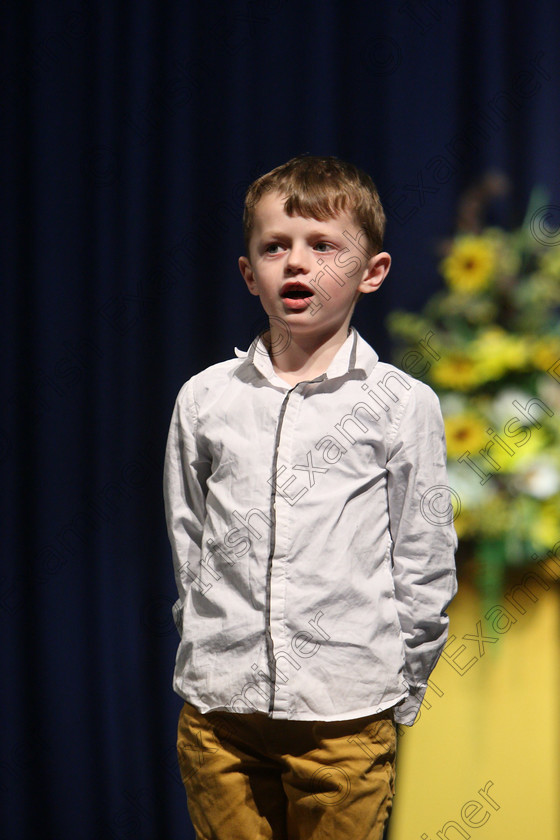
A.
pixel 354 356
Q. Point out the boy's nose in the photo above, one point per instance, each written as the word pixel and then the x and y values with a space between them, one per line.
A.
pixel 299 260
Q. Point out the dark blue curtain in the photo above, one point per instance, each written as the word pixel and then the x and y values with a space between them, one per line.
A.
pixel 129 134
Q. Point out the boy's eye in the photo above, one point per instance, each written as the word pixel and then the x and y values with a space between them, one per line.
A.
pixel 323 246
pixel 273 248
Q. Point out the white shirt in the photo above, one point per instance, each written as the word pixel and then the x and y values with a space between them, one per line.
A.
pixel 312 538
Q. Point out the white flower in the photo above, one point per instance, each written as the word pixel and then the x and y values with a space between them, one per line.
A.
pixel 502 409
pixel 452 404
pixel 465 482
pixel 540 478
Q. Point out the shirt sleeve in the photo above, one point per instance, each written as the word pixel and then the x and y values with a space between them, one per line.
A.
pixel 186 470
pixel 424 540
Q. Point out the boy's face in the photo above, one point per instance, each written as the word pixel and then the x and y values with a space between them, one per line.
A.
pixel 309 273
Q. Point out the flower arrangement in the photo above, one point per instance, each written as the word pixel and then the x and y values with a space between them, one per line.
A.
pixel 488 343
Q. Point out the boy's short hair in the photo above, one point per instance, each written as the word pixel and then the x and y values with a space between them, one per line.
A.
pixel 319 188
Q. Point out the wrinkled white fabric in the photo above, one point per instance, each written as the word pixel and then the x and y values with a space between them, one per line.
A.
pixel 312 538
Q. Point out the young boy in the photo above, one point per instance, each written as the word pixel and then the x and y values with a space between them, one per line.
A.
pixel 308 511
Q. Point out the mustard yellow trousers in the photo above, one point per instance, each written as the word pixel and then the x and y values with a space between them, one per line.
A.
pixel 251 777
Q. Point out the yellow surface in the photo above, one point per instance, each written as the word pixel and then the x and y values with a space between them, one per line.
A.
pixel 498 723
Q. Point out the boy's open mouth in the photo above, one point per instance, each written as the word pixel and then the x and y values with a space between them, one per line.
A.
pixel 296 291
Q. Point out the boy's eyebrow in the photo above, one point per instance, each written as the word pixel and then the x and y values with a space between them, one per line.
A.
pixel 272 233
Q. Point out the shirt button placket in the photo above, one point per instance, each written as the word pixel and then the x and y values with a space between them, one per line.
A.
pixel 284 527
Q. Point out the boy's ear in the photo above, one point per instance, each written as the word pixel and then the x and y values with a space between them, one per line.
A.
pixel 248 275
pixel 375 272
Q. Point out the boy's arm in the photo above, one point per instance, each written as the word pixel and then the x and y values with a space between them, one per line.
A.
pixel 424 540
pixel 184 491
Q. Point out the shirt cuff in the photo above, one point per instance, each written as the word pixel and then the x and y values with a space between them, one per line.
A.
pixel 407 710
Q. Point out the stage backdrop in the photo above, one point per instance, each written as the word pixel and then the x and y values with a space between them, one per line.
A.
pixel 129 134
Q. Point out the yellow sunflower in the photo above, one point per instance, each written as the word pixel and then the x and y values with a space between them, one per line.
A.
pixel 464 432
pixel 456 371
pixel 496 351
pixel 470 266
